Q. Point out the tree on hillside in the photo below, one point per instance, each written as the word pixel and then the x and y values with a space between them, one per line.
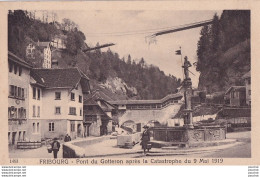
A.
pixel 232 28
pixel 75 41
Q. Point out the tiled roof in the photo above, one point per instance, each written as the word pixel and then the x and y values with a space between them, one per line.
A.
pixel 236 88
pixel 234 112
pixel 18 60
pixel 94 112
pixel 247 75
pixel 96 94
pixel 58 78
pixel 146 101
pixel 90 101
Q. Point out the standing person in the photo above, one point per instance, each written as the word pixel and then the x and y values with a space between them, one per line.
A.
pixel 55 147
pixel 145 138
pixel 67 138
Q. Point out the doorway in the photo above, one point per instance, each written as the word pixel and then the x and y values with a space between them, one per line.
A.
pixel 79 130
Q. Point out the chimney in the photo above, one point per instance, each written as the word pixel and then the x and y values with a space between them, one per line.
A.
pixel 54 64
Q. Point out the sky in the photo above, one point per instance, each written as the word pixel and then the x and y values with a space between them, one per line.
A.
pixel 128 30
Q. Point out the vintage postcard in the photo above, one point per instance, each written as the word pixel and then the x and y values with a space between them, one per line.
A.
pixel 129 83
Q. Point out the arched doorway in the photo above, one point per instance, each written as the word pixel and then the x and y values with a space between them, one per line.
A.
pixel 79 130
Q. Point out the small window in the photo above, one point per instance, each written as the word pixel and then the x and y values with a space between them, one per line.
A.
pixel 51 127
pixel 38 94
pixel 10 67
pixel 15 91
pixel 11 90
pixel 38 127
pixel 57 95
pixel 20 71
pixel 22 93
pixel 249 81
pixel 15 69
pixel 34 93
pixel 249 92
pixel 24 113
pixel 34 128
pixel 72 96
pixel 39 113
pixel 72 111
pixel 57 110
pixel 34 111
pixel 80 98
pixel 80 112
pixel 19 92
pixel 72 127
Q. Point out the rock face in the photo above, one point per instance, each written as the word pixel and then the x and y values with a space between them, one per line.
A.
pixel 118 86
pixel 232 65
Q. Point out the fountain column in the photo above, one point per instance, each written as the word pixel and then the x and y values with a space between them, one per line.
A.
pixel 187 85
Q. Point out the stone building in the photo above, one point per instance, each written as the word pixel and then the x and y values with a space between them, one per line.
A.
pixel 18 101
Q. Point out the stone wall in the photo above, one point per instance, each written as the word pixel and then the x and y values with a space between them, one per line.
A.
pixel 182 135
pixel 76 149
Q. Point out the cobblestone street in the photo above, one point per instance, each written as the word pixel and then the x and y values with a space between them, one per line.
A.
pixel 108 148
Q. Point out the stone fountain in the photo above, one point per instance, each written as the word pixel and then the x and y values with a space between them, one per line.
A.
pixel 188 135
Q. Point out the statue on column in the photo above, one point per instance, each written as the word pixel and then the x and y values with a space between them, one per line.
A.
pixel 186 66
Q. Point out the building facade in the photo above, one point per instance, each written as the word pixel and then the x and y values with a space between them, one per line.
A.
pixel 46 48
pixel 62 99
pixel 35 110
pixel 18 102
pixel 30 51
pixel 247 79
pixel 59 41
pixel 97 116
pixel 236 96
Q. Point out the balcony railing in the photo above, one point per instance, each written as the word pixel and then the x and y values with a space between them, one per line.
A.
pixel 17 121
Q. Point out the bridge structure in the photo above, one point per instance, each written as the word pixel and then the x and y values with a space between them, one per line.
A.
pixel 148 111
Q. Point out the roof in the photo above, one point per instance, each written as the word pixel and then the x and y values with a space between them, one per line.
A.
pixel 98 94
pixel 60 78
pixel 18 60
pixel 234 112
pixel 91 99
pixel 171 96
pixel 97 111
pixel 247 75
pixel 43 44
pixel 236 88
